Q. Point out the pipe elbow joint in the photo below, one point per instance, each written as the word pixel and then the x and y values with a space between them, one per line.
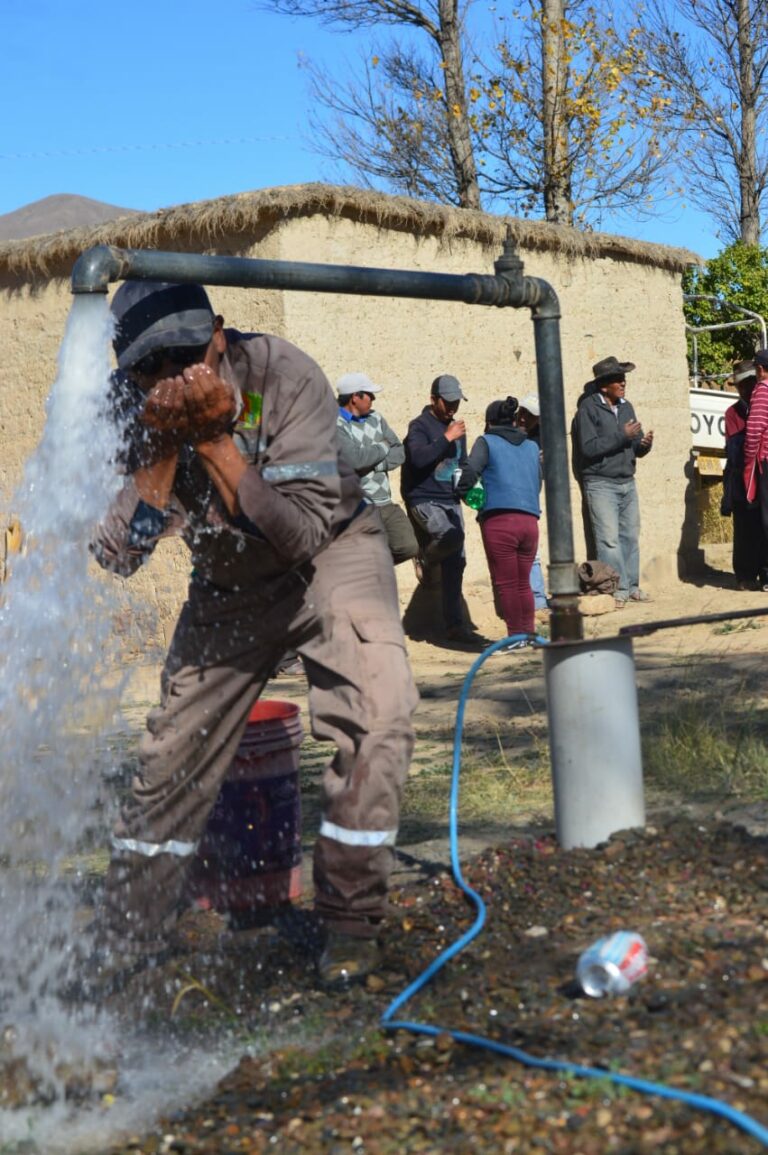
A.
pixel 546 304
pixel 95 269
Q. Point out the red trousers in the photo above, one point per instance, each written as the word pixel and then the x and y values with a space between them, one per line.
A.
pixel 511 540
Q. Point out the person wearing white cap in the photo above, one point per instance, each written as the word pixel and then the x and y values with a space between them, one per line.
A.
pixel 373 450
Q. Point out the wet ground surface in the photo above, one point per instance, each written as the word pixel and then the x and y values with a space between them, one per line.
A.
pixel 319 1074
pixel 322 1075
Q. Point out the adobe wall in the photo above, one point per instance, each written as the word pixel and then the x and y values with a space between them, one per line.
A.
pixel 608 307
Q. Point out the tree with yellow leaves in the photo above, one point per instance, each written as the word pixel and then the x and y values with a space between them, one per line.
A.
pixel 570 116
pixel 557 116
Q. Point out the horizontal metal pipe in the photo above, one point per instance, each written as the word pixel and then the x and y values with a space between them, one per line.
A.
pixel 642 629
pixel 97 267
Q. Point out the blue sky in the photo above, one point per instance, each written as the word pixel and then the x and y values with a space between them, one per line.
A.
pixel 151 103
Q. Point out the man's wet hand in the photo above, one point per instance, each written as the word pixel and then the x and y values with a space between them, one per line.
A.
pixel 210 403
pixel 165 408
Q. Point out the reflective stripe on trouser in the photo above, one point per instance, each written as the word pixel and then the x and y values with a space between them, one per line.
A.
pixel 361 698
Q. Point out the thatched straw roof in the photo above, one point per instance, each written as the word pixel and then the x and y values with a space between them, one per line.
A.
pixel 204 225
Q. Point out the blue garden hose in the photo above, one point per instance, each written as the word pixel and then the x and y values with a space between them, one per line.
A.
pixel 390 1023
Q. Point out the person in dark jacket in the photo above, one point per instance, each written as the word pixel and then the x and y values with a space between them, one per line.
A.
pixel 435 450
pixel 508 462
pixel 608 439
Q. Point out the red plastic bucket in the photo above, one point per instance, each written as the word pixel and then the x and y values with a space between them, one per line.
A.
pixel 249 857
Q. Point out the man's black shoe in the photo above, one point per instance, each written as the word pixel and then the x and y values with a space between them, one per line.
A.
pixel 347 959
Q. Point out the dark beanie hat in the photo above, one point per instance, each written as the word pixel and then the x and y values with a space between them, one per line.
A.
pixel 152 315
pixel 501 412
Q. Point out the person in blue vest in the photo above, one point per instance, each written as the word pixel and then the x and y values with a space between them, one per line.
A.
pixel 508 462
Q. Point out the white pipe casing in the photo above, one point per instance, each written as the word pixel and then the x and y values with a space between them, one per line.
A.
pixel 594 738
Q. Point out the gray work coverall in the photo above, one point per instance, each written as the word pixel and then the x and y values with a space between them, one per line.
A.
pixel 304 566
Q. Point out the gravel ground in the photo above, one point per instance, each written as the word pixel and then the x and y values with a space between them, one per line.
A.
pixel 330 1080
pixel 318 1072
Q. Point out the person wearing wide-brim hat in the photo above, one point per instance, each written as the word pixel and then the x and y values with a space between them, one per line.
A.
pixel 608 439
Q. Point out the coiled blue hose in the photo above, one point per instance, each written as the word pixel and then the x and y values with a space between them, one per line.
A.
pixel 390 1023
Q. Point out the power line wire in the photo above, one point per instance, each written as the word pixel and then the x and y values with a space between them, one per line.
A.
pixel 162 147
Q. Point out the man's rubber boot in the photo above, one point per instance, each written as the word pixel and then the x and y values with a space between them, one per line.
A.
pixel 347 959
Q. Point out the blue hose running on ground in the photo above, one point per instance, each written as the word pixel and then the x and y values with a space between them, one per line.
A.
pixel 390 1023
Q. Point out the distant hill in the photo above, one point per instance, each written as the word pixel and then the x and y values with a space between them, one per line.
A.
pixel 49 215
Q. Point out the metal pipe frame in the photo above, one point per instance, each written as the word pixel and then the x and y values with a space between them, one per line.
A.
pixel 96 268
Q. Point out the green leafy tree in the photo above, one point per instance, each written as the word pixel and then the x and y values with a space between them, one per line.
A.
pixel 737 277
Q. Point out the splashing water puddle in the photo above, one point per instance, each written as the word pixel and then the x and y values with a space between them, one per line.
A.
pixel 59 696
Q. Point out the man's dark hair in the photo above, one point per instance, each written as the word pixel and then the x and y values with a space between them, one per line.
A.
pixel 345 399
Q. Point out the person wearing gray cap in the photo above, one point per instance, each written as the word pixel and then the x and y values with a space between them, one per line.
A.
pixel 230 443
pixel 435 451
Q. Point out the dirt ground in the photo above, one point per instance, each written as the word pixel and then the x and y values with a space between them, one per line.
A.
pixel 325 1077
pixel 506 707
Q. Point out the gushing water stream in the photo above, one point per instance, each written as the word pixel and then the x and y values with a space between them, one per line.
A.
pixel 58 699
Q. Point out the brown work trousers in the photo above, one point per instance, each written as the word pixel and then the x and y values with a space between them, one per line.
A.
pixel 341 614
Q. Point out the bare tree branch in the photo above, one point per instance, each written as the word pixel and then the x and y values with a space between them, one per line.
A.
pixel 713 55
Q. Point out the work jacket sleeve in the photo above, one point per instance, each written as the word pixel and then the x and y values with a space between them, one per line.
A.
pixel 131 529
pixel 294 490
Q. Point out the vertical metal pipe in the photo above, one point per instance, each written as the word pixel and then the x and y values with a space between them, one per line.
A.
pixel 566 621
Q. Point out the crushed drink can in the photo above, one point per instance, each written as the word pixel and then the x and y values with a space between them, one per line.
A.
pixel 612 964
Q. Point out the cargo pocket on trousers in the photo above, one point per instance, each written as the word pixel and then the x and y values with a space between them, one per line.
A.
pixel 385 679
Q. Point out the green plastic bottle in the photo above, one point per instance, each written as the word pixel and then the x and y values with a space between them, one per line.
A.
pixel 475 497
